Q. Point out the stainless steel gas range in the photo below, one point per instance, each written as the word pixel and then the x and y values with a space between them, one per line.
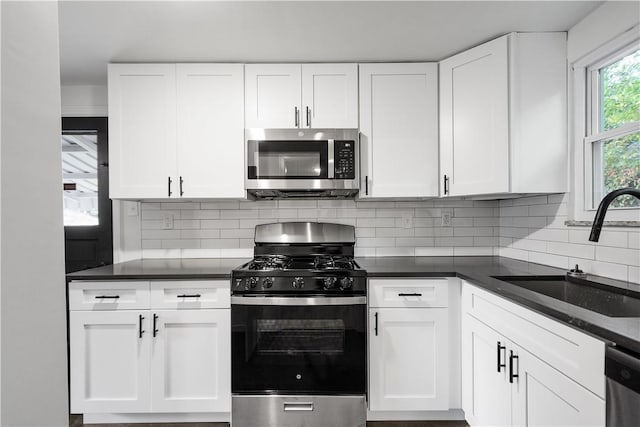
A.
pixel 298 313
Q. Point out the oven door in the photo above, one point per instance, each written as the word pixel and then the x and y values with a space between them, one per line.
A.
pixel 298 345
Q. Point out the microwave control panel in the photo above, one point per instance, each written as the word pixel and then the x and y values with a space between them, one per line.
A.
pixel 344 154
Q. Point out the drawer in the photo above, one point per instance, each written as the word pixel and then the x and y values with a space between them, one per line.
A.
pixel 191 294
pixel 98 295
pixel 574 353
pixel 419 292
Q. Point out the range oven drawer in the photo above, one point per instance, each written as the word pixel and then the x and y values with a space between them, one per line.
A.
pixel 296 411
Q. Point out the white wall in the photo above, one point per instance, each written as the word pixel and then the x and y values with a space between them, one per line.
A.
pixel 34 356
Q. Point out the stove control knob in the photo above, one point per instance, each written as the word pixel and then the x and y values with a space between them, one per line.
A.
pixel 346 283
pixel 238 283
pixel 298 282
pixel 329 282
pixel 253 282
pixel 267 282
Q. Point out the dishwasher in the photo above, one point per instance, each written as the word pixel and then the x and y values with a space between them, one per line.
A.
pixel 622 369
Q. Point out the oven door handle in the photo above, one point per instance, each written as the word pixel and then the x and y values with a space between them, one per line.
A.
pixel 319 300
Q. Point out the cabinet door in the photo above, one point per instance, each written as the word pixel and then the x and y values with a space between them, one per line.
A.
pixel 330 95
pixel 408 367
pixel 399 130
pixel 486 395
pixel 191 361
pixel 210 113
pixel 109 361
pixel 474 127
pixel 142 131
pixel 543 396
pixel 272 96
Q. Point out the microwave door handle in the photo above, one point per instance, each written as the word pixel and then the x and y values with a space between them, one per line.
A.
pixel 330 159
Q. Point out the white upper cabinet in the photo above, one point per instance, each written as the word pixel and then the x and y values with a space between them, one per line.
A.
pixel 176 131
pixel 330 96
pixel 210 124
pixel 272 94
pixel 142 130
pixel 301 96
pixel 503 117
pixel 399 130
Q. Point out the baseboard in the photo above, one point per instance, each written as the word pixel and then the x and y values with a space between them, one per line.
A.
pixel 156 418
pixel 452 414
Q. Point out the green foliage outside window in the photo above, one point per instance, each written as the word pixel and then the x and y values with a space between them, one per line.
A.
pixel 621 104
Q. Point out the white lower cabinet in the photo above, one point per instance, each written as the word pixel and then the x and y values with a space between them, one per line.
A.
pixel 408 370
pixel 145 359
pixel 109 361
pixel 189 370
pixel 505 384
pixel 409 349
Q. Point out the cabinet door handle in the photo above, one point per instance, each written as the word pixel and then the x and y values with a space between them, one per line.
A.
pixel 513 375
pixel 140 330
pixel 189 296
pixel 446 185
pixel 155 323
pixel 308 117
pixel 107 296
pixel 181 182
pixel 500 348
pixel 297 116
pixel 376 325
pixel 366 185
pixel 169 185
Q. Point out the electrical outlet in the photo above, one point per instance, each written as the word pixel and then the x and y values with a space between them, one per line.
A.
pixel 407 222
pixel 167 222
pixel 132 208
pixel 446 218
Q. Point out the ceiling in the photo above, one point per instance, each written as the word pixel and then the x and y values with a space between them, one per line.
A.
pixel 94 33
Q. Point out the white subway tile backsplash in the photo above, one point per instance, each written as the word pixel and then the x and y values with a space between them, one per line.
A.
pixel 200 214
pixel 436 251
pixel 618 255
pixel 200 234
pixel 240 214
pixel 394 232
pixel 414 241
pixel 528 228
pixel 549 259
pixel 571 249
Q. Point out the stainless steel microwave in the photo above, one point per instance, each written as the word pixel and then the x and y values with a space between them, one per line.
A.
pixel 288 163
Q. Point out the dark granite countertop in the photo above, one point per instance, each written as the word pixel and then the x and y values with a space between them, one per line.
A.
pixel 624 331
pixel 176 269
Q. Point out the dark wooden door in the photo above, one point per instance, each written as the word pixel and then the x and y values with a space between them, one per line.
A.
pixel 85 164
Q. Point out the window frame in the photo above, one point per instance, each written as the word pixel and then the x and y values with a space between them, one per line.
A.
pixel 587 109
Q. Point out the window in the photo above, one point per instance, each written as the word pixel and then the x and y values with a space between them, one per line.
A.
pixel 80 178
pixel 607 94
pixel 614 140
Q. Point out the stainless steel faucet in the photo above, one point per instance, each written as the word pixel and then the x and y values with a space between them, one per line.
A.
pixel 602 209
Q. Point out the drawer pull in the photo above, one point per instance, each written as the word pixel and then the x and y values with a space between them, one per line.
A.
pixel 298 406
pixel 513 375
pixel 140 330
pixel 410 295
pixel 155 325
pixel 189 296
pixel 500 348
pixel 107 296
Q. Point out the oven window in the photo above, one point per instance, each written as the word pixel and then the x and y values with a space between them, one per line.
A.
pixel 287 159
pixel 298 349
pixel 300 336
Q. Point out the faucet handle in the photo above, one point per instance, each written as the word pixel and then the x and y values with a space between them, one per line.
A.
pixel 576 272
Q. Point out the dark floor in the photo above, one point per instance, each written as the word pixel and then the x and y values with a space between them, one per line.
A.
pixel 76 421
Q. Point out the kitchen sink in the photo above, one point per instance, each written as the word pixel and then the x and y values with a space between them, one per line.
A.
pixel 607 300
